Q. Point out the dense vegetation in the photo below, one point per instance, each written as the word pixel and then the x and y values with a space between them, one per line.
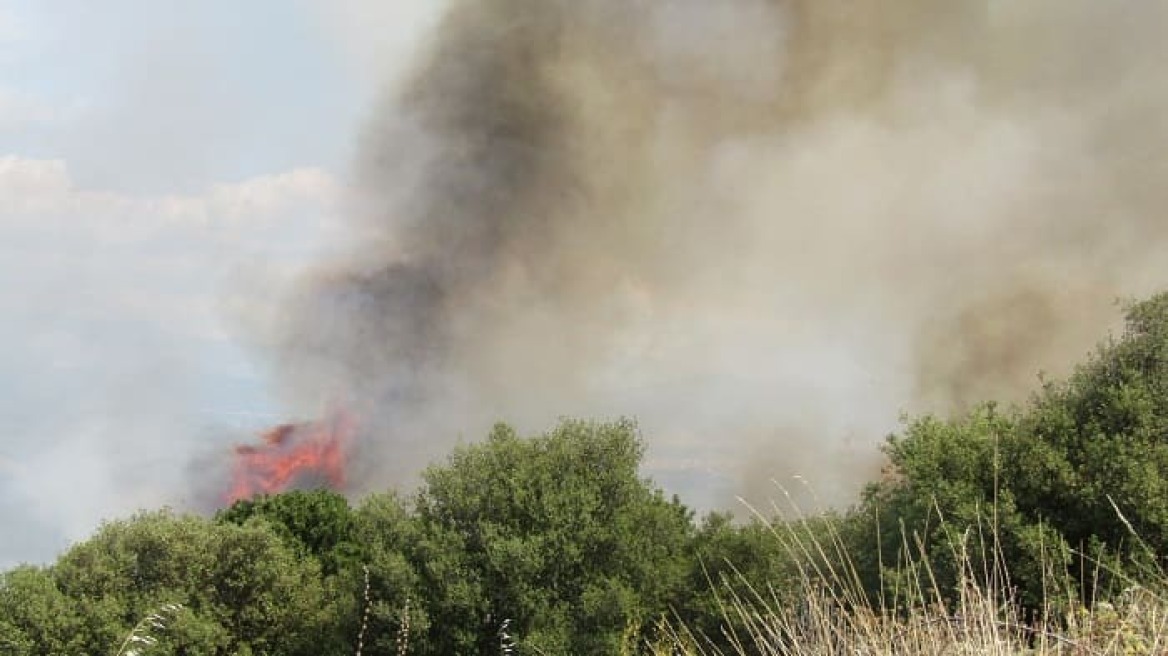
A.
pixel 555 544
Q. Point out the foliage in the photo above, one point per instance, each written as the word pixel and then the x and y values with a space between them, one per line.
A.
pixel 729 561
pixel 557 534
pixel 373 538
pixel 983 526
pixel 1096 443
pixel 948 498
pixel 387 535
pixel 35 616
pixel 1081 469
pixel 317 523
pixel 241 590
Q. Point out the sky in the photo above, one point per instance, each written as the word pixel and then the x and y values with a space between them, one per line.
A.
pixel 164 165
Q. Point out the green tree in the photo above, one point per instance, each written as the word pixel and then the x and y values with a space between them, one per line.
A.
pixel 1098 442
pixel 317 523
pixel 386 533
pixel 557 534
pixel 950 506
pixel 732 564
pixel 35 617
pixel 243 590
pixel 1082 468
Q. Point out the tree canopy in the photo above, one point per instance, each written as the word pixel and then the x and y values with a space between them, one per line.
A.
pixel 557 534
pixel 241 589
pixel 1076 478
pixel 557 544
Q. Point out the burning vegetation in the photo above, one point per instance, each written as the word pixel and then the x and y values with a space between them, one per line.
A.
pixel 308 454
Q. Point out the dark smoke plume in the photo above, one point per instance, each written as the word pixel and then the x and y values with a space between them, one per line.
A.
pixel 764 228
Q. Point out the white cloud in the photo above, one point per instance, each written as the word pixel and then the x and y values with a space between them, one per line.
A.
pixel 27 183
pixel 270 195
pixel 160 264
pixel 41 192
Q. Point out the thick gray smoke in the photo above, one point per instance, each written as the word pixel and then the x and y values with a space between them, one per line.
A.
pixel 763 228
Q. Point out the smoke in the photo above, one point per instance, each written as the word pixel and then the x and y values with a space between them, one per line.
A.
pixel 764 228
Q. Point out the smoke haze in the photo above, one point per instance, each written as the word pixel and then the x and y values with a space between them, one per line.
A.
pixel 763 228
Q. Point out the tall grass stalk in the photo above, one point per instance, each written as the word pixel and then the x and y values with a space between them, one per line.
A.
pixel 915 614
pixel 142 636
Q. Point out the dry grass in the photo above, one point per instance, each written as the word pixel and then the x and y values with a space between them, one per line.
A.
pixel 142 637
pixel 833 616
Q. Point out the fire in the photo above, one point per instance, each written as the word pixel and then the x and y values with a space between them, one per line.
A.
pixel 290 454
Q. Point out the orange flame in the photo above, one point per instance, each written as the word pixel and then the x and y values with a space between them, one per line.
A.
pixel 291 453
